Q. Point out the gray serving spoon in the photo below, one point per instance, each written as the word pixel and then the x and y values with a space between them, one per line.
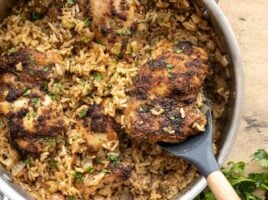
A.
pixel 198 151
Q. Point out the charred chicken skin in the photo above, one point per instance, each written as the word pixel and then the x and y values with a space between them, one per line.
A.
pixel 163 104
pixel 33 118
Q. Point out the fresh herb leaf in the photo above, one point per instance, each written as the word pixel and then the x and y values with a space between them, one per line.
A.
pixel 245 186
pixel 83 113
pixel 90 170
pixel 85 39
pixel 45 68
pixel 27 161
pixel 27 92
pixel 114 158
pixel 35 102
pixel 179 51
pixel 169 66
pixel 70 198
pixel 79 177
pixel 262 156
pixel 123 31
pixel 53 164
pixel 106 171
pixel 32 61
pixel 71 2
pixel 87 21
pixel 11 51
pixel 97 76
pixel 34 114
pixel 35 16
pixel 52 96
pixel 58 139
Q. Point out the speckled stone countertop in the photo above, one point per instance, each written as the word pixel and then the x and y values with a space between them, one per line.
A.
pixel 249 20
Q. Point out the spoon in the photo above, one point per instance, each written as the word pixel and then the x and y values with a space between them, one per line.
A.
pixel 198 151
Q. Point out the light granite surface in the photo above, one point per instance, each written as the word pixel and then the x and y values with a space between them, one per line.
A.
pixel 249 20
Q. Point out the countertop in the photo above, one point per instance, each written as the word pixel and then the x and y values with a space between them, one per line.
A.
pixel 249 20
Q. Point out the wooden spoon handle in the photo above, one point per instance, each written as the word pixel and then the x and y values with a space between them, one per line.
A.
pixel 220 187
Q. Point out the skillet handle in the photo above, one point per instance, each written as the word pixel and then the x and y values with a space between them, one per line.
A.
pixel 220 187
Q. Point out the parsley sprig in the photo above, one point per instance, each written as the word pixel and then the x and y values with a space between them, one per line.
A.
pixel 245 185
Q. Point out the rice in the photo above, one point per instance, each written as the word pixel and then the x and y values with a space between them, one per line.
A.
pixel 100 77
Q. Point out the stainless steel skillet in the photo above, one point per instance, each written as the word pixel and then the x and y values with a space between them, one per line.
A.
pixel 233 117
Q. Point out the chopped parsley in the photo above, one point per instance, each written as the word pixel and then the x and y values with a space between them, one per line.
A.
pixel 32 61
pixel 34 114
pixel 11 51
pixel 106 171
pixel 71 2
pixel 45 68
pixel 179 51
pixel 85 39
pixel 53 164
pixel 52 96
pixel 27 161
pixel 90 170
pixel 123 31
pixel 83 113
pixel 97 76
pixel 87 21
pixel 36 102
pixel 58 139
pixel 148 50
pixel 27 92
pixel 35 16
pixel 70 198
pixel 169 69
pixel 114 158
pixel 79 177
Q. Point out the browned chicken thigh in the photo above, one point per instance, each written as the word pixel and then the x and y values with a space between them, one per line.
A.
pixel 34 119
pixel 163 104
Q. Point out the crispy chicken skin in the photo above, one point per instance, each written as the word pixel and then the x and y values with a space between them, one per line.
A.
pixel 163 102
pixel 162 119
pixel 98 129
pixel 33 118
pixel 179 70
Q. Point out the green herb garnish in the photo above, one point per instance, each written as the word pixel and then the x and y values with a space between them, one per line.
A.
pixel 114 158
pixel 87 22
pixel 27 92
pixel 262 156
pixel 179 51
pixel 79 177
pixel 83 113
pixel 70 198
pixel 52 96
pixel 53 164
pixel 35 102
pixel 11 51
pixel 85 39
pixel 32 61
pixel 244 185
pixel 97 76
pixel 90 170
pixel 123 31
pixel 45 68
pixel 169 69
pixel 71 2
pixel 27 161
pixel 58 139
pixel 35 16
pixel 105 171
